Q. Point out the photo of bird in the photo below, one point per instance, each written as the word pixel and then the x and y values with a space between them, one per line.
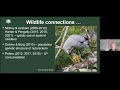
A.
pixel 75 47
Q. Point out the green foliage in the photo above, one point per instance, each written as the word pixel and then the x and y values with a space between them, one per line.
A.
pixel 62 61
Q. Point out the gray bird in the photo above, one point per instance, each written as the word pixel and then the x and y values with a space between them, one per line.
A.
pixel 75 41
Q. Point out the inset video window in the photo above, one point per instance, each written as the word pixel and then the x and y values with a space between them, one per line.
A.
pixel 109 44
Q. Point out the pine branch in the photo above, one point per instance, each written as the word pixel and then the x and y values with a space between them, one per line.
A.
pixel 63 39
pixel 60 36
pixel 84 64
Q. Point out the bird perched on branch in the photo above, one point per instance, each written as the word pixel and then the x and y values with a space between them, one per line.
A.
pixel 75 41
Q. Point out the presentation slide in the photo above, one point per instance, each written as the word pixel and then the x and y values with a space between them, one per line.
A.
pixel 50 45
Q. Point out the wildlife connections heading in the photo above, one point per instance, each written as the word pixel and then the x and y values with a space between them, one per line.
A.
pixel 50 22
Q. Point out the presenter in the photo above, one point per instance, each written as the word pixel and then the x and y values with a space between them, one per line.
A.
pixel 113 47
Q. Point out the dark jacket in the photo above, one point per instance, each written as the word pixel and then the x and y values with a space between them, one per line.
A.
pixel 112 50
